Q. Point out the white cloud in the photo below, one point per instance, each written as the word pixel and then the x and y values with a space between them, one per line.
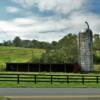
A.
pixel 77 21
pixel 59 6
pixel 24 21
pixel 28 28
pixel 32 27
pixel 44 37
pixel 25 3
pixel 11 29
pixel 12 9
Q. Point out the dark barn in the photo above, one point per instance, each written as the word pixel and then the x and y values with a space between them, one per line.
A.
pixel 31 67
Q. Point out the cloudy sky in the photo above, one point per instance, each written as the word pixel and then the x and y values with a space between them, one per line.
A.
pixel 47 20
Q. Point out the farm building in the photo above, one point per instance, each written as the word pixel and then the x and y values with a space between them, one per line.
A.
pixel 85 50
pixel 31 67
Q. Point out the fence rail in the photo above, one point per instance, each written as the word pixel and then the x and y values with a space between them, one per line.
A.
pixel 35 78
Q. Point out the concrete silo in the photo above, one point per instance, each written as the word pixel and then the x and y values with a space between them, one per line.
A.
pixel 85 49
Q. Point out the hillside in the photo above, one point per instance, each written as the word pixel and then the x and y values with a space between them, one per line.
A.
pixel 16 54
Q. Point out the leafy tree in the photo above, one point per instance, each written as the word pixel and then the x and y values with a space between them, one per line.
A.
pixel 26 43
pixel 96 43
pixel 7 43
pixel 65 51
pixel 17 42
pixel 53 44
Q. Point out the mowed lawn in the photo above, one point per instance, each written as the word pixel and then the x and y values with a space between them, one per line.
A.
pixel 16 54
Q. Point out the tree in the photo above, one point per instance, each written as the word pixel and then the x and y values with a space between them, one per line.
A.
pixel 17 42
pixel 26 44
pixel 65 51
pixel 7 43
pixel 53 44
pixel 96 43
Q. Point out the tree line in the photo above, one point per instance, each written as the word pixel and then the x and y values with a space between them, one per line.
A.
pixel 63 51
pixel 18 42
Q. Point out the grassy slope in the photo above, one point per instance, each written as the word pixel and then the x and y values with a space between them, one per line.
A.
pixel 13 54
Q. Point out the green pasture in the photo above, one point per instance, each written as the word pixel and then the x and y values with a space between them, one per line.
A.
pixel 16 54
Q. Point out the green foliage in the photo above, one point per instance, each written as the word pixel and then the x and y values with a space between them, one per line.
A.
pixel 96 43
pixel 65 51
pixel 7 43
pixel 38 44
pixel 96 56
pixel 17 42
pixel 96 49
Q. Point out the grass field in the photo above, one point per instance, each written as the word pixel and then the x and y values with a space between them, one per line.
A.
pixel 48 85
pixel 15 54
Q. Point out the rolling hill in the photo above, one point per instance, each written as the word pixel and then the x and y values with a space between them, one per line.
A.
pixel 16 54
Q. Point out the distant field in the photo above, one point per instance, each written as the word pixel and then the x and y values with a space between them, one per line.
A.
pixel 16 54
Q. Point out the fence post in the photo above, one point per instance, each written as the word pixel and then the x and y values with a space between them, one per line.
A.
pixel 83 80
pixel 97 80
pixel 39 67
pixel 50 68
pixel 51 78
pixel 17 67
pixel 67 79
pixel 18 79
pixel 35 79
pixel 28 67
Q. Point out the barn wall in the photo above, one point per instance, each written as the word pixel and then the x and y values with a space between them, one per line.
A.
pixel 30 67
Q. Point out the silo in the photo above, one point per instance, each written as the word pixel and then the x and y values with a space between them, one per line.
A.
pixel 85 49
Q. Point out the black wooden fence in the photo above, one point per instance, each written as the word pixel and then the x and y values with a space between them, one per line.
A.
pixel 36 78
